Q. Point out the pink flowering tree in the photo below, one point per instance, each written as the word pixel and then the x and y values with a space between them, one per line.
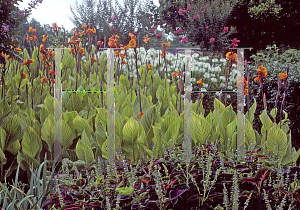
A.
pixel 11 17
pixel 200 21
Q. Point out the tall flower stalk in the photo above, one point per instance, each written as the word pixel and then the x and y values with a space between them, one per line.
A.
pixel 200 84
pixel 262 72
pixel 284 77
pixel 132 44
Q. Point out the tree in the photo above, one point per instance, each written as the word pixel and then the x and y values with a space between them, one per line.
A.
pixel 253 31
pixel 10 19
pixel 200 21
pixel 263 9
pixel 134 17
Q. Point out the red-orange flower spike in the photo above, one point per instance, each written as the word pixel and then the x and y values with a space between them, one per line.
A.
pixel 263 71
pixel 94 60
pixel 24 76
pixel 200 82
pixel 51 72
pixel 72 51
pixel 140 115
pixel 132 36
pixel 146 39
pixel 44 80
pixel 282 76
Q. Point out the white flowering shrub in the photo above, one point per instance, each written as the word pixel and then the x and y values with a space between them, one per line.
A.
pixel 212 71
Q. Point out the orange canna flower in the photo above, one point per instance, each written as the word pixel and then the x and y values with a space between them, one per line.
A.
pixel 84 26
pixel 149 66
pixel 246 91
pixel 34 38
pixel 8 57
pixel 72 42
pixel 263 71
pixel 99 42
pixel 53 25
pixel 124 62
pixel 72 51
pixel 78 41
pixel 246 83
pixel 33 30
pixel 94 60
pixel 132 36
pixel 30 29
pixel 49 64
pixel 146 39
pixel 165 45
pixel 42 47
pixel 44 58
pixel 282 76
pixel 122 55
pixel 44 80
pixel 231 56
pixel 132 43
pixel 51 72
pixel 28 62
pixel 140 115
pixel 200 82
pixel 28 38
pixel 257 79
pixel 44 38
pixel 24 76
pixel 51 53
pixel 117 53
pixel 175 74
pixel 2 54
pixel 94 30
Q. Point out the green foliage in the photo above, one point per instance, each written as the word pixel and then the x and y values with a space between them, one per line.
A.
pixel 264 9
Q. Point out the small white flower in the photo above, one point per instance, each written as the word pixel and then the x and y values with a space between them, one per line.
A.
pixel 222 78
pixel 206 65
pixel 202 69
pixel 195 55
pixel 217 93
pixel 206 75
pixel 200 64
pixel 222 85
pixel 229 87
pixel 212 75
pixel 228 96
pixel 223 60
pixel 215 60
pixel 202 59
pixel 218 69
pixel 203 89
pixel 213 79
